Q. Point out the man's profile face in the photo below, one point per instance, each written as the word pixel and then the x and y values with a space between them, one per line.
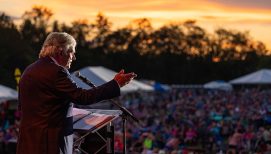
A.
pixel 67 59
pixel 70 57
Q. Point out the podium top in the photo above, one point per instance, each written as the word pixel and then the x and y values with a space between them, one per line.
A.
pixel 93 119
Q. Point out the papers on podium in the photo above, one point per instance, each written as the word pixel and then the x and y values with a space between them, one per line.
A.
pixel 93 119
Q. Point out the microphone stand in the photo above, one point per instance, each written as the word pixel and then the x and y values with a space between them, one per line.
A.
pixel 125 113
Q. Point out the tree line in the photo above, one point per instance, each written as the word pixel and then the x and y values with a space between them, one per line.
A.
pixel 176 53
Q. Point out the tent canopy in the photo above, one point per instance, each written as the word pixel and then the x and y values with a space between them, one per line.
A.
pixel 262 76
pixel 218 84
pixel 160 87
pixel 7 93
pixel 100 75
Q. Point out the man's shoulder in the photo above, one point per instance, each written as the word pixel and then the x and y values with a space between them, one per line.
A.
pixel 43 66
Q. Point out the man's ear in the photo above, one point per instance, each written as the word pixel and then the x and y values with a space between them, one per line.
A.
pixel 61 51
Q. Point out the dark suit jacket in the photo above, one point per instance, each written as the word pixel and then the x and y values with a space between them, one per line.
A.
pixel 45 93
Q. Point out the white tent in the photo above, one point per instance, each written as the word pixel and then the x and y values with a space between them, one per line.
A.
pixel 7 93
pixel 100 75
pixel 218 84
pixel 262 76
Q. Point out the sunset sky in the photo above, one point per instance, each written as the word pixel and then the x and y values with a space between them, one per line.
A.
pixel 250 15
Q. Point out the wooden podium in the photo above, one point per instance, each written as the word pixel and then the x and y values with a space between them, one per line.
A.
pixel 94 132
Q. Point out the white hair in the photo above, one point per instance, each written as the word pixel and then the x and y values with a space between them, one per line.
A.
pixel 57 42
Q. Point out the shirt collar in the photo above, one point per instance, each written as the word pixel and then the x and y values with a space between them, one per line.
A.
pixel 54 60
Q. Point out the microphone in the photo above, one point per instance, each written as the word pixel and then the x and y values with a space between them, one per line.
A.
pixel 125 113
pixel 84 79
pixel 123 109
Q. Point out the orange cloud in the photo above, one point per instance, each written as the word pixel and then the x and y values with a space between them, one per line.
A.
pixel 254 16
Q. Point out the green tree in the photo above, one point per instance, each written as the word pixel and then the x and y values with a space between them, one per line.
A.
pixel 235 45
pixel 101 28
pixel 15 52
pixel 81 29
pixel 35 26
pixel 196 39
pixel 167 39
pixel 118 40
pixel 139 43
pixel 6 22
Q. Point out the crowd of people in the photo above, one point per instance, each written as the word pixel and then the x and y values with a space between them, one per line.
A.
pixel 183 120
pixel 206 121
pixel 9 127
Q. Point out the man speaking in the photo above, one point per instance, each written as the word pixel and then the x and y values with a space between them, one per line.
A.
pixel 45 92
